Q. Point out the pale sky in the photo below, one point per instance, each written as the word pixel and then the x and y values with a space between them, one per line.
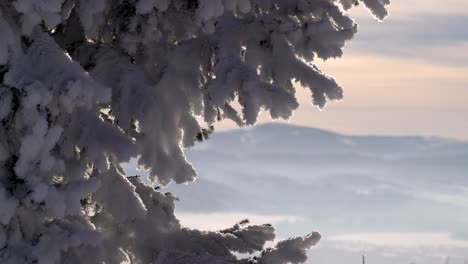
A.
pixel 405 76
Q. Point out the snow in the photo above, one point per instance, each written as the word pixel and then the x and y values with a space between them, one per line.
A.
pixel 8 206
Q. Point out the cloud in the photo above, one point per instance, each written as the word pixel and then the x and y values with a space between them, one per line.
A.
pixel 454 53
pixel 461 235
pixel 400 82
pixel 459 200
pixel 403 240
pixel 407 9
pixel 439 43
pixel 218 221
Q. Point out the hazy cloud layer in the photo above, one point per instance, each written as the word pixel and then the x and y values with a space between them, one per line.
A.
pixel 219 221
pixel 438 43
pixel 407 9
pixel 404 240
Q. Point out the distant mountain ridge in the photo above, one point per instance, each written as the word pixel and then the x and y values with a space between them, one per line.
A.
pixel 285 145
pixel 390 182
pixel 300 136
pixel 337 183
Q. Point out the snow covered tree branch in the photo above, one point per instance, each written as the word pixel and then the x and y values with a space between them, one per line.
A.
pixel 88 84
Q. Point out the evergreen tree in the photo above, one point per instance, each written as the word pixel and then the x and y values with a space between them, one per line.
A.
pixel 88 84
